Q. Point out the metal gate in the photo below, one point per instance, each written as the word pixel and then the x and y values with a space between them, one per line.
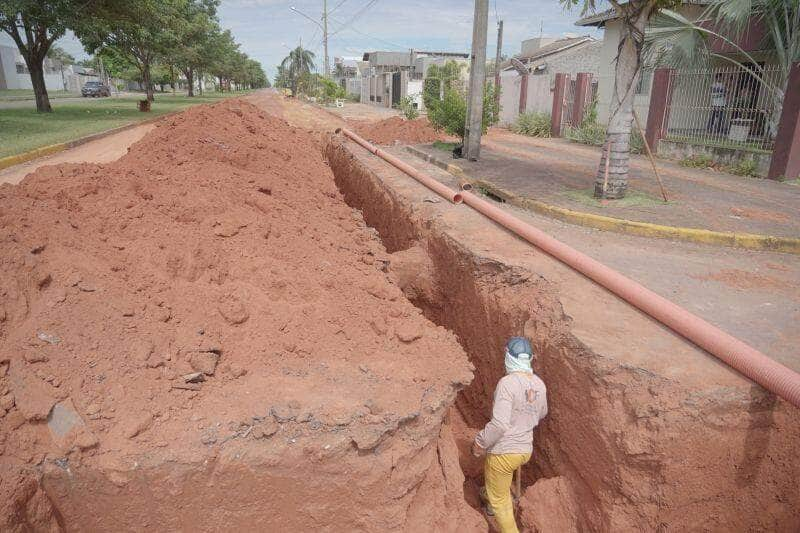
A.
pixel 395 89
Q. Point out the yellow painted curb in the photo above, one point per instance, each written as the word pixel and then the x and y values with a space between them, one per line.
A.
pixel 36 153
pixel 748 241
pixel 12 160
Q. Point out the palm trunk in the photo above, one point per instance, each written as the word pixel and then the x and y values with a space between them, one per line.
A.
pixel 39 87
pixel 618 134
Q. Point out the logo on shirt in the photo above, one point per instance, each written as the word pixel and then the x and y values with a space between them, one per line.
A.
pixel 530 395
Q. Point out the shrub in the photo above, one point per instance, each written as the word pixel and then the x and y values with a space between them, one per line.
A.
pixel 698 161
pixel 589 132
pixel 745 167
pixel 407 107
pixel 450 113
pixel 533 123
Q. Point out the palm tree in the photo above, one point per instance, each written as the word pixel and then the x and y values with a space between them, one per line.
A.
pixel 296 65
pixel 634 16
pixel 675 40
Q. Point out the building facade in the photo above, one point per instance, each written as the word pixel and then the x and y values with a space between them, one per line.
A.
pixel 390 76
pixel 542 58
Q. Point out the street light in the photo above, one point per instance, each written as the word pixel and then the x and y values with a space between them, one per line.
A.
pixel 323 26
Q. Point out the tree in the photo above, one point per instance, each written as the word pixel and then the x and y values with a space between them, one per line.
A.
pixel 298 64
pixel 674 40
pixel 142 30
pixel 198 40
pixel 449 113
pixel 35 25
pixel 56 53
pixel 634 16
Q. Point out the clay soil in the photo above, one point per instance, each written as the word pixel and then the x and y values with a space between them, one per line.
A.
pixel 399 130
pixel 202 335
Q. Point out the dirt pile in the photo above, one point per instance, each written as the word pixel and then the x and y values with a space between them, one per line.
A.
pixel 398 129
pixel 202 335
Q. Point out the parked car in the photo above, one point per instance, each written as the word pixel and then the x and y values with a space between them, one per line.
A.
pixel 95 88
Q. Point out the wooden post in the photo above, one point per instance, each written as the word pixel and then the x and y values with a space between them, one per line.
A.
pixel 658 113
pixel 583 84
pixel 523 93
pixel 559 93
pixel 785 164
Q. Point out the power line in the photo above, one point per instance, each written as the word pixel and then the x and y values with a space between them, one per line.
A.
pixel 384 41
pixel 354 17
pixel 337 6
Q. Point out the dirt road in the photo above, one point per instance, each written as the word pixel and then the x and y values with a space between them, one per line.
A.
pixel 104 150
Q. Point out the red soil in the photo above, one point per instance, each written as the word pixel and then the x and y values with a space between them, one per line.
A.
pixel 398 129
pixel 218 246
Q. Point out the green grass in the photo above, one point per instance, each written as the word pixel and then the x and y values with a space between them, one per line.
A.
pixel 632 199
pixel 446 147
pixel 23 129
pixel 27 94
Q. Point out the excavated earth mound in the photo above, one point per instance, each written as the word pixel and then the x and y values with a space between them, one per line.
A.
pixel 202 335
pixel 398 129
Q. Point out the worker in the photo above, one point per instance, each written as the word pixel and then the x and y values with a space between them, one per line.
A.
pixel 520 402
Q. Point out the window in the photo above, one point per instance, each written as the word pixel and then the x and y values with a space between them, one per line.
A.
pixel 645 78
pixel 21 68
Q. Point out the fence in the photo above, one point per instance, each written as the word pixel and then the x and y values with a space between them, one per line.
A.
pixel 730 106
pixel 568 118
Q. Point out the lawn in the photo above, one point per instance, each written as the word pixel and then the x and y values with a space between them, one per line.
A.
pixel 23 129
pixel 27 94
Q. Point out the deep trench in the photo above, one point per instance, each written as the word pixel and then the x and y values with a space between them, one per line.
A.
pixel 629 446
pixel 480 300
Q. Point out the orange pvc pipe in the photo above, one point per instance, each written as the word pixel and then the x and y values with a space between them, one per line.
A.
pixel 765 371
pixel 429 182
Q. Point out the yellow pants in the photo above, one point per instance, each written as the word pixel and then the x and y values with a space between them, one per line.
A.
pixel 498 474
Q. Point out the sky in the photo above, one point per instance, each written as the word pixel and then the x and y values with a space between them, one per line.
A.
pixel 265 28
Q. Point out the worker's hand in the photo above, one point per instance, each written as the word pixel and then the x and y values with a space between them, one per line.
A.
pixel 477 451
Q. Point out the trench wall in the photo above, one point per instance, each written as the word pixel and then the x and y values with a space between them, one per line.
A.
pixel 639 452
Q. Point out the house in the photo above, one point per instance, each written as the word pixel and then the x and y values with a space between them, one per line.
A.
pixel 390 76
pixel 14 72
pixel 542 58
pixel 739 125
pixel 347 73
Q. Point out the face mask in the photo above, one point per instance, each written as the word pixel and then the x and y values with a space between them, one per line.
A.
pixel 520 363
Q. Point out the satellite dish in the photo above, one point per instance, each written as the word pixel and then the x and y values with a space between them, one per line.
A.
pixel 519 66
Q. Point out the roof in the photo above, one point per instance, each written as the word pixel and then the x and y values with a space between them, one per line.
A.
pixel 599 19
pixel 551 49
pixel 419 53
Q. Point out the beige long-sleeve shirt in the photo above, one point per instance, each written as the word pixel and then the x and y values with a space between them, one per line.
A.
pixel 520 402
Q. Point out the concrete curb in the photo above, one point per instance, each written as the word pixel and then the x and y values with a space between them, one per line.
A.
pixel 748 241
pixel 36 153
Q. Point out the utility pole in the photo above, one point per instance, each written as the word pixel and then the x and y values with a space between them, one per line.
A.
pixel 323 27
pixel 325 35
pixel 497 59
pixel 477 80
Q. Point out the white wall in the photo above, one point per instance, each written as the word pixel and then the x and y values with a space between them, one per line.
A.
pixel 11 79
pixel 414 90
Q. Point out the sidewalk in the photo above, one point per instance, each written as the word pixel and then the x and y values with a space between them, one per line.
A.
pixel 561 173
